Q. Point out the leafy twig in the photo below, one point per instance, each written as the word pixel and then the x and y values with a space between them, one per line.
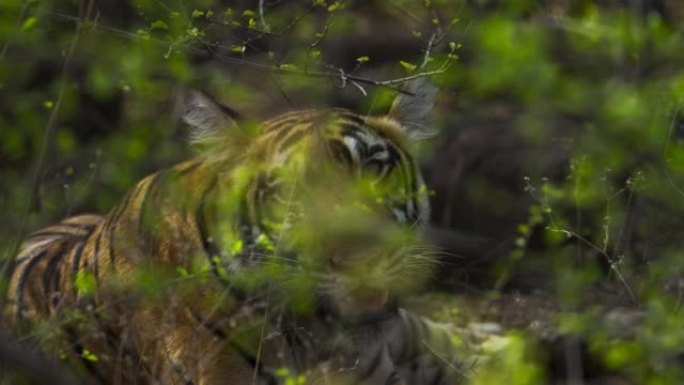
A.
pixel 428 50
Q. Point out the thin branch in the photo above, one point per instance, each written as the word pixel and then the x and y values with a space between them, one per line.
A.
pixel 323 33
pixel 261 33
pixel 357 85
pixel 261 16
pixel 388 83
pixel 612 262
pixel 428 50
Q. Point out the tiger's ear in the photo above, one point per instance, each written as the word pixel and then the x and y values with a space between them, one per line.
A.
pixel 207 117
pixel 411 109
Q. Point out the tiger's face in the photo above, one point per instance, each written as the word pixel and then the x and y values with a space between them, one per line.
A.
pixel 325 205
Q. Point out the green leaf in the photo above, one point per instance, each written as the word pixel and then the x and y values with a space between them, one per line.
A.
pixel 237 247
pixel 143 34
pixel 85 282
pixel 362 59
pixel 29 23
pixel 238 49
pixel 416 33
pixel 263 241
pixel 409 67
pixel 334 6
pixel 282 372
pixel 249 13
pixel 194 32
pixel 88 355
pixel 158 24
pixel 252 23
pixel 48 104
pixel 197 13
pixel 208 14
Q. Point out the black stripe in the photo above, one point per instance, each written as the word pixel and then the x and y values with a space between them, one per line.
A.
pixel 143 221
pixel 286 120
pixel 96 253
pixel 189 169
pixel 352 131
pixel 112 223
pixel 394 155
pixel 340 152
pixel 260 184
pixel 19 295
pixel 290 140
pixel 52 277
pixel 353 117
pixel 282 131
pixel 409 170
pixel 414 189
pixel 76 261
pixel 210 248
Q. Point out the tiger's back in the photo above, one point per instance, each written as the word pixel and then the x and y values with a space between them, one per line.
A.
pixel 44 271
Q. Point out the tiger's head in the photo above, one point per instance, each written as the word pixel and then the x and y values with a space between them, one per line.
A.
pixel 325 206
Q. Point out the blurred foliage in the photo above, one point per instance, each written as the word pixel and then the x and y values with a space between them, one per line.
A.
pixel 561 132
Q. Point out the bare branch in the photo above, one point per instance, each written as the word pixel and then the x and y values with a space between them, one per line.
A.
pixel 261 16
pixel 323 33
pixel 428 50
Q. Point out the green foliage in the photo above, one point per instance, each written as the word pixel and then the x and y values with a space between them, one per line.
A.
pixel 90 105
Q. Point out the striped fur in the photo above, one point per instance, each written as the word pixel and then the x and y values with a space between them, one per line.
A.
pixel 189 279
